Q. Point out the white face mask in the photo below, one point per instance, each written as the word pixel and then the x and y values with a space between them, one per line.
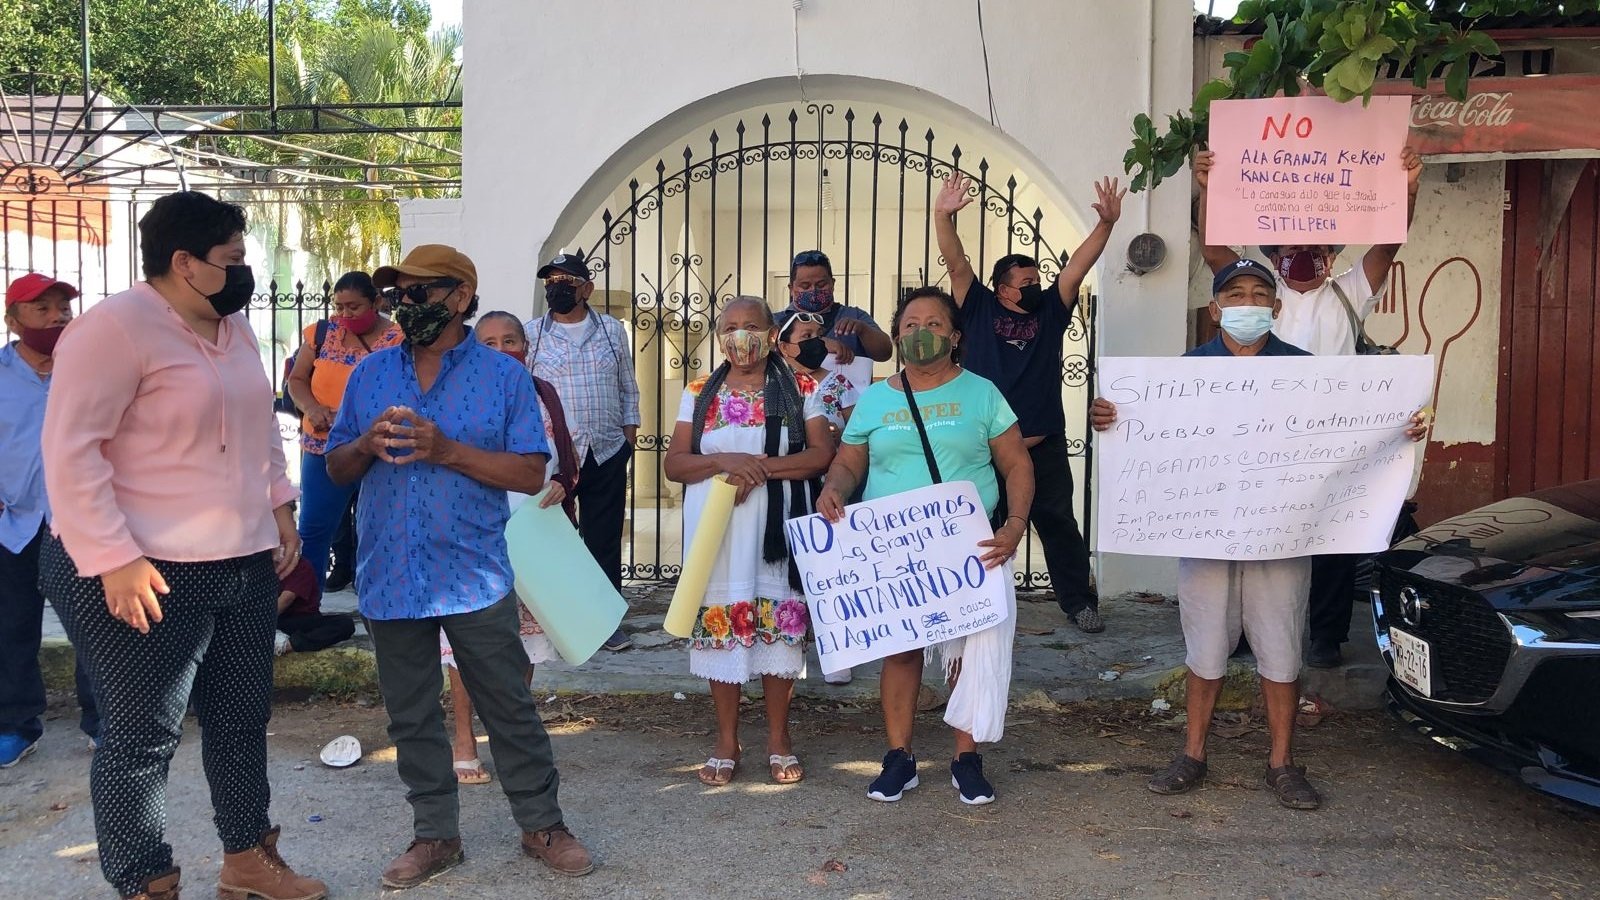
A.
pixel 1246 324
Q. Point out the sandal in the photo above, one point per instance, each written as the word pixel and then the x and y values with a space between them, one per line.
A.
pixel 471 771
pixel 1183 774
pixel 781 766
pixel 1292 788
pixel 711 773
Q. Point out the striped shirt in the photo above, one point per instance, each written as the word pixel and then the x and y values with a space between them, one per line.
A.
pixel 594 376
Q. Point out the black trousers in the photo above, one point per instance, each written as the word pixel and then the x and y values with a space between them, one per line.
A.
pixel 1333 585
pixel 215 641
pixel 308 634
pixel 1066 556
pixel 602 500
pixel 22 695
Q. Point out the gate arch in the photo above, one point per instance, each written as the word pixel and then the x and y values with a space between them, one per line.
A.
pixel 724 214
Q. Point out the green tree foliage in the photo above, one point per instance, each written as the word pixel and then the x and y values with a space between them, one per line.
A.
pixel 1335 47
pixel 171 51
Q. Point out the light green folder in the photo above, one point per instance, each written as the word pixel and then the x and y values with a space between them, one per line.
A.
pixel 560 583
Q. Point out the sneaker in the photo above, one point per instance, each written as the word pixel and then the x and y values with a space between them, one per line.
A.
pixel 1324 654
pixel 843 676
pixel 340 577
pixel 1088 620
pixel 966 776
pixel 899 775
pixel 280 644
pixel 618 641
pixel 13 747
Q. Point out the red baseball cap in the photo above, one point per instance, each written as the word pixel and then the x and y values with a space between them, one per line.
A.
pixel 30 286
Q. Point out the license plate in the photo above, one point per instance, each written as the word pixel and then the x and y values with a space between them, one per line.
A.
pixel 1412 661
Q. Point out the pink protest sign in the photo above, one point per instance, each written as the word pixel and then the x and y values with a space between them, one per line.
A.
pixel 1307 170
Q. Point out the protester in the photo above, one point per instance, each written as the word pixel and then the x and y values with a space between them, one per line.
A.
pixel 1014 329
pixel 933 422
pixel 331 351
pixel 1322 313
pixel 851 337
pixel 803 347
pixel 741 421
pixel 173 521
pixel 438 429
pixel 588 358
pixel 302 626
pixel 38 307
pixel 503 331
pixel 1219 599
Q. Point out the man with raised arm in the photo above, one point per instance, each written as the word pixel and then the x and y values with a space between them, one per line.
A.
pixel 1013 329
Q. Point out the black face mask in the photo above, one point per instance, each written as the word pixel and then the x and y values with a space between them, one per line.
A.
pixel 423 323
pixel 238 284
pixel 562 297
pixel 812 352
pixel 1031 296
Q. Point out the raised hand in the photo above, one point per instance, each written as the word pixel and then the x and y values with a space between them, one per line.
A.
pixel 1109 206
pixel 953 197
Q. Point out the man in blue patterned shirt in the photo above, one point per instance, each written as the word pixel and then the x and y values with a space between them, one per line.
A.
pixel 437 430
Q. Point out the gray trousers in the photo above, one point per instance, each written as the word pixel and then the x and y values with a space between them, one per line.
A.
pixel 489 654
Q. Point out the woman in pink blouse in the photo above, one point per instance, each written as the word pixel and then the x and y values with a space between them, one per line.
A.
pixel 174 518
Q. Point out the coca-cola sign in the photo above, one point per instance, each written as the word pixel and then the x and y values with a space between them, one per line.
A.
pixel 1506 115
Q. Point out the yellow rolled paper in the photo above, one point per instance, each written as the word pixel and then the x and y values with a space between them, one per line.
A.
pixel 701 557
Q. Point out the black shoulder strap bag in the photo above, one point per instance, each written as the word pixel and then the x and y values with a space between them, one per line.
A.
pixel 922 430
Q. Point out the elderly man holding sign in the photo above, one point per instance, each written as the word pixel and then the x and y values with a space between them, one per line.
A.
pixel 1323 312
pixel 1263 598
pixel 937 422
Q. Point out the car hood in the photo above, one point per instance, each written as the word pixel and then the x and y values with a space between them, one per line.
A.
pixel 1537 550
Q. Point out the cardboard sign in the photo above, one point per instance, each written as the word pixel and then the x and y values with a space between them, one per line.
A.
pixel 898 573
pixel 1307 170
pixel 1256 458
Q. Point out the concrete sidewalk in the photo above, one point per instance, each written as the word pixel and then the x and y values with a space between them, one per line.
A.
pixel 1139 656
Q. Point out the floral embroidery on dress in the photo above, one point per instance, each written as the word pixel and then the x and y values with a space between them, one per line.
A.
pixel 743 409
pixel 746 622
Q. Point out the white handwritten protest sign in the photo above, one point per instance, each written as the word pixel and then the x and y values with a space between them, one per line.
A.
pixel 1256 457
pixel 1307 170
pixel 898 573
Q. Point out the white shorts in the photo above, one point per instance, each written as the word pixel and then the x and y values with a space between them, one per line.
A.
pixel 1265 599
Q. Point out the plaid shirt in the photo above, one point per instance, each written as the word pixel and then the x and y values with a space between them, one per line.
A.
pixel 593 375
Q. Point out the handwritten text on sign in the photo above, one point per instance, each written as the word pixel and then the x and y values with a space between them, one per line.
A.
pixel 898 573
pixel 1256 457
pixel 1307 170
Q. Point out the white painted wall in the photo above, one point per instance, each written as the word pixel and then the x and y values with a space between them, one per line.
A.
pixel 430 221
pixel 564 98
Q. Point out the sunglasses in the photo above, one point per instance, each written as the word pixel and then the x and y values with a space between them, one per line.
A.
pixel 417 293
pixel 811 258
pixel 564 278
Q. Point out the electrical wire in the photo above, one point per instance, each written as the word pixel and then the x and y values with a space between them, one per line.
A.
pixel 988 81
pixel 799 73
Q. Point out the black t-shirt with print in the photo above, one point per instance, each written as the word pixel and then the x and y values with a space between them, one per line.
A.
pixel 1020 353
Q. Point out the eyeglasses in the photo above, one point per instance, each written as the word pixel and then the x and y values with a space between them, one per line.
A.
pixel 417 293
pixel 564 278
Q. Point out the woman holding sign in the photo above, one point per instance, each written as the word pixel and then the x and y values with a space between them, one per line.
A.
pixel 765 428
pixel 936 422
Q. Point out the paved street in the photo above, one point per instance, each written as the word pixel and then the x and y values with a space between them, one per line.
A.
pixel 1404 817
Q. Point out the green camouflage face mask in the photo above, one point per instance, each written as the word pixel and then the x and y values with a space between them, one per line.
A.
pixel 923 346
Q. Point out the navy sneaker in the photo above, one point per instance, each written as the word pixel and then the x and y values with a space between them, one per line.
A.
pixel 13 747
pixel 966 776
pixel 618 641
pixel 899 775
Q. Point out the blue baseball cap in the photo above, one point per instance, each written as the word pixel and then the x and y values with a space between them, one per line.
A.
pixel 1238 268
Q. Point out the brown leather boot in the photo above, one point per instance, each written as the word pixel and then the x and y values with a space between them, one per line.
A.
pixel 423 860
pixel 160 887
pixel 261 873
pixel 557 848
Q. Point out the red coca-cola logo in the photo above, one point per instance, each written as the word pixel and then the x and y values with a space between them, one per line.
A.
pixel 1486 110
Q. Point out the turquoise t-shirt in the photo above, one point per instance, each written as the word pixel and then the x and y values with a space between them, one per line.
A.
pixel 961 416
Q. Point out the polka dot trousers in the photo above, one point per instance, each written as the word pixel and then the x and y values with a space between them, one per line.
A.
pixel 215 639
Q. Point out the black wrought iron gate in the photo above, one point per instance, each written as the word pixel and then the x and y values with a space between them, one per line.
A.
pixel 725 217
